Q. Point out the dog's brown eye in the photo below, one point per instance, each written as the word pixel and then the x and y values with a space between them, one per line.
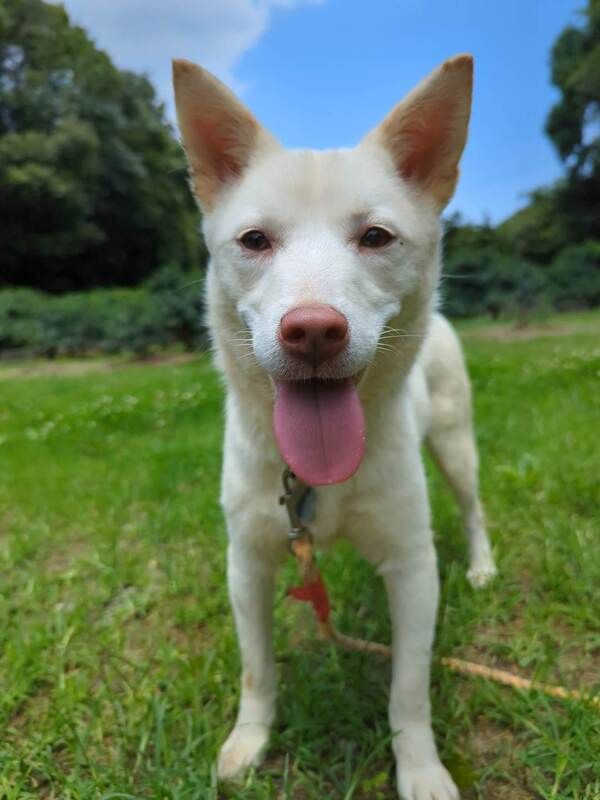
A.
pixel 255 240
pixel 375 237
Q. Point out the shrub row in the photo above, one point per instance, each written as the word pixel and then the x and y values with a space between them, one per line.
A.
pixel 480 278
pixel 167 309
pixel 164 311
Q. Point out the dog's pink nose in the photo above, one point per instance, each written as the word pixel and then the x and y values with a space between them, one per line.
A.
pixel 314 333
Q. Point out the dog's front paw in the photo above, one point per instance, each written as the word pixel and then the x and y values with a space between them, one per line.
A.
pixel 481 572
pixel 426 782
pixel 245 747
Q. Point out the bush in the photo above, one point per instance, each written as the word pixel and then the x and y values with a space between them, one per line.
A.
pixel 20 320
pixel 181 302
pixel 489 281
pixel 165 311
pixel 575 276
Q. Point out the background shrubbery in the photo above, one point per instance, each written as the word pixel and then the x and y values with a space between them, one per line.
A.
pixel 94 202
pixel 165 311
pixel 486 272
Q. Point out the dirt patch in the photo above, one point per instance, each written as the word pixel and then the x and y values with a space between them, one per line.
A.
pixel 163 358
pixel 6 521
pixel 492 745
pixel 580 669
pixel 524 333
pixel 61 560
pixel 490 741
pixel 576 666
pixel 30 709
pixel 88 366
pixel 42 369
pixel 496 790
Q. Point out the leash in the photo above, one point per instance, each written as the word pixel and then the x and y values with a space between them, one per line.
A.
pixel 298 499
pixel 313 589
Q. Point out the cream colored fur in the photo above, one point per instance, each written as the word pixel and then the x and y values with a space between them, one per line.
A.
pixel 405 358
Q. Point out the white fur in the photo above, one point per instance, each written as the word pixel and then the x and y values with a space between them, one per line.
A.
pixel 313 206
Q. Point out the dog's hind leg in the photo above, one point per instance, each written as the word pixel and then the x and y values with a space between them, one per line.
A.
pixel 451 441
pixel 251 586
pixel 453 449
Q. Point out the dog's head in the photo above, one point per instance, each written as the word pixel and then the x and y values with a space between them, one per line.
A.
pixel 320 256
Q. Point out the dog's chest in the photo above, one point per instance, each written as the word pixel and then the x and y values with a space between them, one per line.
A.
pixel 323 512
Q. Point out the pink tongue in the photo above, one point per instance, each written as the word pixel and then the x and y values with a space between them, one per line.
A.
pixel 320 429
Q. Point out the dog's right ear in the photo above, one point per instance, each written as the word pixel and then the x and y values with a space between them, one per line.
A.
pixel 219 134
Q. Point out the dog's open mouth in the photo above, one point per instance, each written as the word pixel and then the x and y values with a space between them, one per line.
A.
pixel 320 429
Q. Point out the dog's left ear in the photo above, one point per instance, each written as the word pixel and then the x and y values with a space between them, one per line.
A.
pixel 426 132
pixel 219 133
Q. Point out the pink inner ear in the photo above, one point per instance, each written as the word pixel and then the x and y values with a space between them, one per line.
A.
pixel 219 146
pixel 425 142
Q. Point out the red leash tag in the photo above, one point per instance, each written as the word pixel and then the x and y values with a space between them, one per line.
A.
pixel 315 593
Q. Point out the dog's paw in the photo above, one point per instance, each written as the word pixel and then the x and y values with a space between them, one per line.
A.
pixel 245 747
pixel 481 572
pixel 426 782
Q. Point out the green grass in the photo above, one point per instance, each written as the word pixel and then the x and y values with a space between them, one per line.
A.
pixel 118 666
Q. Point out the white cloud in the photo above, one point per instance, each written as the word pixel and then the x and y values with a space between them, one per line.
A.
pixel 144 35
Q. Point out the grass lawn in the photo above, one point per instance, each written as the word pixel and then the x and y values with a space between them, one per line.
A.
pixel 118 662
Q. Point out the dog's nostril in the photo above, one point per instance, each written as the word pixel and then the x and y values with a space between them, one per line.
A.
pixel 335 333
pixel 295 334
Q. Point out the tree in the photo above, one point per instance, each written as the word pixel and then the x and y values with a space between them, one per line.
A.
pixel 538 232
pixel 575 63
pixel 573 123
pixel 559 230
pixel 92 183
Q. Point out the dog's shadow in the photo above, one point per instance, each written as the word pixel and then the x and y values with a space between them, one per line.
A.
pixel 333 703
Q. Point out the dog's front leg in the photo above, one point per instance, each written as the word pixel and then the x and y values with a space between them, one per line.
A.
pixel 251 583
pixel 413 588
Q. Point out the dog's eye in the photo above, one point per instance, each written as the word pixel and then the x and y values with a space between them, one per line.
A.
pixel 255 240
pixel 375 237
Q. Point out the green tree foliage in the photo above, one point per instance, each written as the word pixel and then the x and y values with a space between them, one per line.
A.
pixel 549 251
pixel 574 123
pixel 568 212
pixel 92 182
pixel 93 193
pixel 538 231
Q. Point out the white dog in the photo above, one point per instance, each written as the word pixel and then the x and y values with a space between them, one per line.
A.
pixel 321 296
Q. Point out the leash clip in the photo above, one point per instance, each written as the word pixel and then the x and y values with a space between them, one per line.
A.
pixel 294 492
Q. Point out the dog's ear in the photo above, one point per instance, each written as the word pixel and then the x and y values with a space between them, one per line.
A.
pixel 219 134
pixel 426 132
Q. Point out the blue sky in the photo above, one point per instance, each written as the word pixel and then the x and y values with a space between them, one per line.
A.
pixel 320 73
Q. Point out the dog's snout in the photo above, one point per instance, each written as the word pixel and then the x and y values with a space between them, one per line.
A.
pixel 314 333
